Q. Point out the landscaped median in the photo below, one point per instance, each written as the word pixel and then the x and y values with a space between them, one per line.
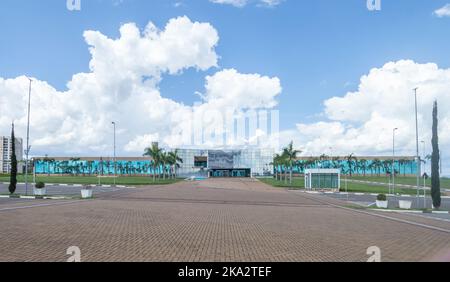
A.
pixel 297 183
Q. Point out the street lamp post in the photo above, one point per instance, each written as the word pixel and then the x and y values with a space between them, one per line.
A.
pixel 424 179
pixel 393 160
pixel 417 144
pixel 27 149
pixel 115 171
pixel 331 156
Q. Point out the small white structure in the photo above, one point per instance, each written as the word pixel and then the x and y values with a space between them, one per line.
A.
pixel 323 179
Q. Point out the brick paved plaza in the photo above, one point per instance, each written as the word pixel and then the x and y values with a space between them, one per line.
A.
pixel 213 220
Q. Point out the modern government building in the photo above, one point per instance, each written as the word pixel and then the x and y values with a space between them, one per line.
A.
pixel 223 163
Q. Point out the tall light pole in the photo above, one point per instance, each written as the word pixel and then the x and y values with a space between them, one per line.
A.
pixel 393 160
pixel 115 174
pixel 417 144
pixel 27 150
pixel 424 155
pixel 424 179
pixel 331 157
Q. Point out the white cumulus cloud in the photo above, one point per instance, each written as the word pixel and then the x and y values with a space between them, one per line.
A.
pixel 361 122
pixel 236 3
pixel 123 86
pixel 443 12
pixel 243 3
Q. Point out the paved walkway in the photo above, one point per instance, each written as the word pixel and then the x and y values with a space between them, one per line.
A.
pixel 213 220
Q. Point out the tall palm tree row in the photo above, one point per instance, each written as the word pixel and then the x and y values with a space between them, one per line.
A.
pixel 285 162
pixel 155 153
pixel 174 161
pixel 163 163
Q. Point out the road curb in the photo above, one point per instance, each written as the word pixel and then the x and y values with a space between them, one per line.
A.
pixel 73 185
pixel 37 197
pixel 349 193
pixel 412 211
pixel 362 194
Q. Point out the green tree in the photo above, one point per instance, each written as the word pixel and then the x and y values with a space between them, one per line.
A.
pixel 277 160
pixel 291 155
pixel 164 161
pixel 378 164
pixel 48 162
pixel 323 160
pixel 74 166
pixel 13 177
pixel 363 164
pixel 351 160
pixel 435 175
pixel 175 161
pixel 155 153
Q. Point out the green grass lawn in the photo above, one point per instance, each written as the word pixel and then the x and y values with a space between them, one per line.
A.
pixel 366 188
pixel 92 180
pixel 408 180
pixel 299 183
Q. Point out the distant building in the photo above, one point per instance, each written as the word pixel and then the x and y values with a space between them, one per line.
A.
pixel 358 165
pixel 202 163
pixel 6 152
pixel 224 163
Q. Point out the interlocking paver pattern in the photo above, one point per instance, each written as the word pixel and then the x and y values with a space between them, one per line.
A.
pixel 213 220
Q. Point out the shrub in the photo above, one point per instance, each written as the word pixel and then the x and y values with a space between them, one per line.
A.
pixel 381 197
pixel 40 185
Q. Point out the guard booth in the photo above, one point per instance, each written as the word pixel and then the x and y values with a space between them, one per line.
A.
pixel 323 179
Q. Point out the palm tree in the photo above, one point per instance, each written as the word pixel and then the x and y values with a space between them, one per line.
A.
pixel 387 165
pixel 274 164
pixel 89 165
pixel 300 166
pixel 48 161
pixel 290 155
pixel 176 161
pixel 155 153
pixel 322 159
pixel 363 165
pixel 351 159
pixel 335 162
pixel 284 165
pixel 378 165
pixel 278 163
pixel 164 161
pixel 74 166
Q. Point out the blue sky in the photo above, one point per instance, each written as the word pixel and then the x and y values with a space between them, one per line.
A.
pixel 319 49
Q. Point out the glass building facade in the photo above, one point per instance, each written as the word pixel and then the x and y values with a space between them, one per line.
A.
pixel 371 166
pixel 226 163
pixel 223 163
pixel 93 166
pixel 202 163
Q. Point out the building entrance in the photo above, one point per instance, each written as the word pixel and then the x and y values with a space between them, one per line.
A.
pixel 225 173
